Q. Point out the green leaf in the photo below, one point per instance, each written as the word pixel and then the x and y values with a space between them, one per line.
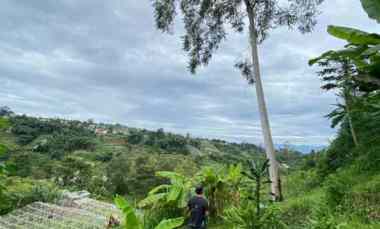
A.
pixel 170 223
pixel 174 193
pixel 337 115
pixel 371 51
pixel 234 174
pixel 354 36
pixel 151 200
pixel 121 203
pixel 352 52
pixel 182 202
pixel 372 7
pixel 130 217
pixel 159 189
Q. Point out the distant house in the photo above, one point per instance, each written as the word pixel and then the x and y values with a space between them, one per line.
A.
pixel 101 131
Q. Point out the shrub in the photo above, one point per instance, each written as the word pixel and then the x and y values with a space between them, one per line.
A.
pixel 245 217
pixel 28 163
pixel 300 183
pixel 104 156
pixel 74 171
pixel 22 191
pixel 369 160
pixel 295 212
pixel 364 200
pixel 134 173
pixel 337 187
pixel 45 193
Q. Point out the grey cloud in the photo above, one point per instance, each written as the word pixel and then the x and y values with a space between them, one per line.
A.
pixel 105 60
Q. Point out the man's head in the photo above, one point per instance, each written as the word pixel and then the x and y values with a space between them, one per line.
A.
pixel 199 190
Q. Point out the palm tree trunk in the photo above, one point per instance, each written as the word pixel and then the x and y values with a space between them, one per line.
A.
pixel 353 133
pixel 269 147
pixel 350 123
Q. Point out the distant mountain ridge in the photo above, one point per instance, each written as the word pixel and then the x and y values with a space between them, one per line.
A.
pixel 304 148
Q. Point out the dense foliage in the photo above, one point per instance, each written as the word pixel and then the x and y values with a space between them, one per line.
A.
pixel 119 160
pixel 339 187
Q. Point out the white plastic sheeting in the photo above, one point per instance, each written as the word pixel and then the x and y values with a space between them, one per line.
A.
pixel 82 213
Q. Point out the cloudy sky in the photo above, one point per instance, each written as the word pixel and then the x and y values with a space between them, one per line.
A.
pixel 105 60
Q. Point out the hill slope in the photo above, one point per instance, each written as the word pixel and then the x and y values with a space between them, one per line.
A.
pixel 109 159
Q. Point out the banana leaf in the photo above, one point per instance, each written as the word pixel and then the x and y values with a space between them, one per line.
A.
pixel 170 223
pixel 131 221
pixel 152 200
pixel 372 7
pixel 354 36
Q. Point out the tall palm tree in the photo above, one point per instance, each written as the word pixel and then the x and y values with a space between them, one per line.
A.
pixel 339 73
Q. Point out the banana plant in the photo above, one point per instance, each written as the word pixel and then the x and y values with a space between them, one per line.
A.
pixel 251 213
pixel 235 178
pixel 221 186
pixel 174 194
pixel 215 188
pixel 132 220
pixel 258 172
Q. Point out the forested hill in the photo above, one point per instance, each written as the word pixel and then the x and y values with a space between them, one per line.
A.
pixel 58 138
pixel 107 159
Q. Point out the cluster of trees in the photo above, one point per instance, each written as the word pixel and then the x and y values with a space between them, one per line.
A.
pixel 57 145
pixel 134 173
pixel 165 142
pixel 55 137
pixel 27 191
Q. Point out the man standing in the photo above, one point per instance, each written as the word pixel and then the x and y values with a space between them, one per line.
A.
pixel 198 207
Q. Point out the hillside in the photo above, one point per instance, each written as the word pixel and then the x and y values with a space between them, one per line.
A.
pixel 106 159
pixel 45 156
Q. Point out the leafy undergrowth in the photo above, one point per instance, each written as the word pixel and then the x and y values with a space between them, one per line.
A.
pixel 22 191
pixel 345 200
